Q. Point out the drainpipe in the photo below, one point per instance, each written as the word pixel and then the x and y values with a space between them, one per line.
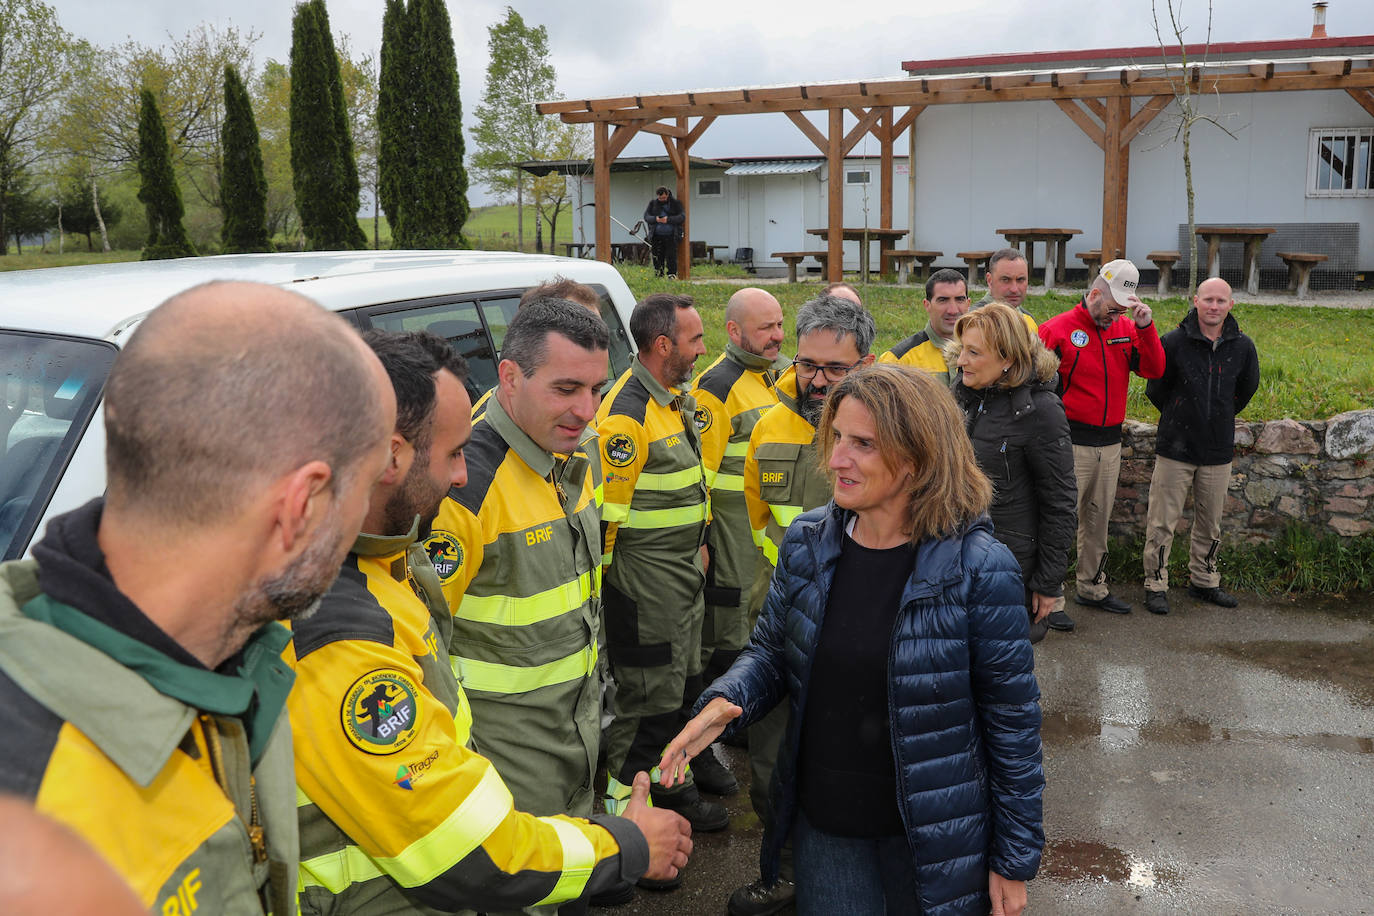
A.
pixel 1319 19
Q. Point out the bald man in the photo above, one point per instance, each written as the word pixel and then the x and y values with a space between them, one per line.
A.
pixel 1211 370
pixel 731 394
pixel 141 681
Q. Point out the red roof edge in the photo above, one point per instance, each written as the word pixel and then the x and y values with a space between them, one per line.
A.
pixel 1150 52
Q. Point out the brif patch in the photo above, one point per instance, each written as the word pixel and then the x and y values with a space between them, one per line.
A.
pixel 703 419
pixel 445 553
pixel 381 712
pixel 620 450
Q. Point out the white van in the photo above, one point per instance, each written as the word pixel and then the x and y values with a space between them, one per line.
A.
pixel 60 329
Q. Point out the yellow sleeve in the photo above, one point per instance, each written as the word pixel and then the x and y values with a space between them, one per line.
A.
pixel 377 753
pixel 624 447
pixel 713 428
pixel 456 546
pixel 1030 323
pixel 888 357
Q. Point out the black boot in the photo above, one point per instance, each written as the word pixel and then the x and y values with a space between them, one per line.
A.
pixel 711 775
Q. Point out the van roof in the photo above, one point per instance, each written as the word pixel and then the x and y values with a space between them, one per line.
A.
pixel 102 300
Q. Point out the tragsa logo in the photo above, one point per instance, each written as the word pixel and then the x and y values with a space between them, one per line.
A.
pixel 445 553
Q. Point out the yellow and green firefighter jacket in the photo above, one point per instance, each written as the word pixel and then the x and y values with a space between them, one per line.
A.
pixel 518 549
pixel 180 777
pixel 923 350
pixel 397 813
pixel 782 473
pixel 731 395
pixel 587 447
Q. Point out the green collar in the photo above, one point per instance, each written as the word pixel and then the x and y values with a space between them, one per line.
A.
pixel 935 338
pixel 752 361
pixel 262 674
pixel 539 460
pixel 663 396
pixel 376 545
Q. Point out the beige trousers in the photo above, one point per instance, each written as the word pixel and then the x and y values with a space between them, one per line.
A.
pixel 1097 469
pixel 1169 485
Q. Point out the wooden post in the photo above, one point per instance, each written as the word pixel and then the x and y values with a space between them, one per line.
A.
pixel 601 190
pixel 1112 179
pixel 885 139
pixel 835 218
pixel 683 167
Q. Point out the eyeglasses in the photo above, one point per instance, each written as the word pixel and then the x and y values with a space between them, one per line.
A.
pixel 807 370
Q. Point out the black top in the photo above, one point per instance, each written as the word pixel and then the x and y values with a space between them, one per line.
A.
pixel 847 781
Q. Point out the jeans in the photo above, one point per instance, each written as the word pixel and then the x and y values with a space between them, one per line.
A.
pixel 859 875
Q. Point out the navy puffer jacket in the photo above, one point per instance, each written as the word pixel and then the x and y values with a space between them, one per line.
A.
pixel 963 704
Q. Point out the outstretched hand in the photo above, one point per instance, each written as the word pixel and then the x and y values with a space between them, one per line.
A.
pixel 1008 896
pixel 695 738
pixel 667 832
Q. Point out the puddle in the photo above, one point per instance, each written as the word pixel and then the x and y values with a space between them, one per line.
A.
pixel 1347 665
pixel 1063 728
pixel 1082 860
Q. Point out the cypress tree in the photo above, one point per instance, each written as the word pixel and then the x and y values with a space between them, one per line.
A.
pixel 432 205
pixel 158 190
pixel 394 121
pixel 347 201
pixel 243 189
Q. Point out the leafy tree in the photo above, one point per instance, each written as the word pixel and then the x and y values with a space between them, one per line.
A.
pixel 421 142
pixel 27 213
pixel 77 208
pixel 272 94
pixel 243 188
pixel 159 192
pixel 34 61
pixel 324 175
pixel 510 130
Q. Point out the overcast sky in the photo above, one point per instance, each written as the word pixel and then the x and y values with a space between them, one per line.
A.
pixel 615 47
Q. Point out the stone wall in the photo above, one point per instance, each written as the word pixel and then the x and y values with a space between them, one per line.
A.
pixel 1320 472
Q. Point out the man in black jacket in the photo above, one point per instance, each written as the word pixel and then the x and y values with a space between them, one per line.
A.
pixel 1211 371
pixel 664 218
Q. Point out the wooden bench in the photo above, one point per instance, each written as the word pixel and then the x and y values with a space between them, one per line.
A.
pixel 1091 260
pixel 793 258
pixel 902 258
pixel 977 262
pixel 1165 261
pixel 1300 264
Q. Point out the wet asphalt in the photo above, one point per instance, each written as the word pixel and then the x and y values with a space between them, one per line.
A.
pixel 1213 761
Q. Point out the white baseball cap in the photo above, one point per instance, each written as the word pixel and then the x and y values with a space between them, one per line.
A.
pixel 1121 276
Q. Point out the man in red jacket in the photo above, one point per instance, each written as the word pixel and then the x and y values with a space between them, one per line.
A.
pixel 1099 347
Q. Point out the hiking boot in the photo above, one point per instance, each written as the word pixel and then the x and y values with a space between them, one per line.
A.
pixel 704 816
pixel 1038 629
pixel 1108 602
pixel 759 899
pixel 1060 621
pixel 1214 595
pixel 616 895
pixel 1157 602
pixel 663 884
pixel 711 775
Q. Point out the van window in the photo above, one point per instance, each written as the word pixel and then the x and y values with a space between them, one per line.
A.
pixel 457 322
pixel 49 388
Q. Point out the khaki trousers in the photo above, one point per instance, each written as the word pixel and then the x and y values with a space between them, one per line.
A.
pixel 1169 485
pixel 1097 468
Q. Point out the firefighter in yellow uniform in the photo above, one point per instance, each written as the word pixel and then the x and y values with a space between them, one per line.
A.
pixel 142 689
pixel 782 479
pixel 397 813
pixel 946 301
pixel 518 548
pixel 654 520
pixel 731 394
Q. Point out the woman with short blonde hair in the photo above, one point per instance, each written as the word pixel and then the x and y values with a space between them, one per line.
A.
pixel 910 779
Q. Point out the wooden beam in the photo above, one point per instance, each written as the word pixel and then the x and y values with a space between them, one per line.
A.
pixel 906 120
pixel 682 167
pixel 695 133
pixel 1263 71
pixel 885 140
pixel 812 134
pixel 1331 67
pixel 663 130
pixel 1144 116
pixel 1115 161
pixel 624 133
pixel 674 156
pixel 1009 82
pixel 1080 117
pixel 865 124
pixel 1364 97
pixel 601 189
pixel 834 157
pixel 1058 80
pixel 1096 107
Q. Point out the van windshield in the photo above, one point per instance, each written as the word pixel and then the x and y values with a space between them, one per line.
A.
pixel 49 388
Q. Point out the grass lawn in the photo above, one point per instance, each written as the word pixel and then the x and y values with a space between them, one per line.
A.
pixel 32 258
pixel 1314 362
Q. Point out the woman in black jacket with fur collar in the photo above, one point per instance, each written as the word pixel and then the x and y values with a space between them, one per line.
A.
pixel 1006 385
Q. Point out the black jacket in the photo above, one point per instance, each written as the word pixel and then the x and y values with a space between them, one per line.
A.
pixel 1021 439
pixel 1204 386
pixel 669 208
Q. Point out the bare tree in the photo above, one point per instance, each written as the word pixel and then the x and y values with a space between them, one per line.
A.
pixel 1185 81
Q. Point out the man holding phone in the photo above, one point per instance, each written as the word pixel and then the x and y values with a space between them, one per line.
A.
pixel 1099 346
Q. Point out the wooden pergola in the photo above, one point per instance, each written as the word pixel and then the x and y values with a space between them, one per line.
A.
pixel 1111 104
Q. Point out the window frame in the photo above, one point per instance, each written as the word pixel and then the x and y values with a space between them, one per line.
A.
pixel 850 173
pixel 1363 137
pixel 718 192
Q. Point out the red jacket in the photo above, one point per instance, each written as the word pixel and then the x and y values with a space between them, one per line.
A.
pixel 1095 368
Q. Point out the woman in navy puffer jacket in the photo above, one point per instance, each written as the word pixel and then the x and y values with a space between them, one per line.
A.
pixel 910 777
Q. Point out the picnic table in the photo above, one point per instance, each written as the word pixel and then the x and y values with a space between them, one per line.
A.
pixel 886 238
pixel 711 252
pixel 1055 241
pixel 633 252
pixel 1251 237
pixel 579 249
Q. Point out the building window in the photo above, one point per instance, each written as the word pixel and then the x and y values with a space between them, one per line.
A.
pixel 856 177
pixel 1340 162
pixel 708 187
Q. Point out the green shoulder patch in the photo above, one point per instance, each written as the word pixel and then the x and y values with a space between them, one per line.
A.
pixel 620 450
pixel 445 553
pixel 703 418
pixel 381 711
